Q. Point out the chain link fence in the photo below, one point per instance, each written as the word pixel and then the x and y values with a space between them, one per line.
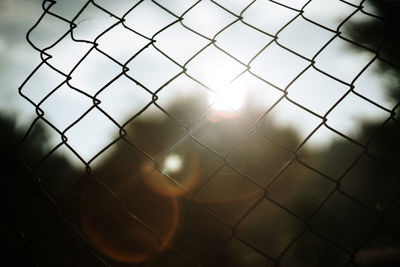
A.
pixel 208 179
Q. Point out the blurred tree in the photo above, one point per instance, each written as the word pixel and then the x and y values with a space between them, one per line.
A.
pixel 374 178
pixel 381 34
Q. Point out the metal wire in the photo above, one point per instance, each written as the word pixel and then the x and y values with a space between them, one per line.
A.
pixel 86 254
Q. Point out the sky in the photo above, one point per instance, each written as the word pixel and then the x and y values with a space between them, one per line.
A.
pixel 213 68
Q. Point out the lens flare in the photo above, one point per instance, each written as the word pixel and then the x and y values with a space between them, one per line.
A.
pixel 132 235
pixel 178 173
pixel 173 163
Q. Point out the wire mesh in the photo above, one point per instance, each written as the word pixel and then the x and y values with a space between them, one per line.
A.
pixel 249 193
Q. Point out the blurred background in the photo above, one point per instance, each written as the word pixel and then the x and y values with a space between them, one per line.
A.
pixel 200 133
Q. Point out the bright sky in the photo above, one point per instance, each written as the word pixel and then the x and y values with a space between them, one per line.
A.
pixel 213 68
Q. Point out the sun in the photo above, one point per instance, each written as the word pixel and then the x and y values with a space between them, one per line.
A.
pixel 228 98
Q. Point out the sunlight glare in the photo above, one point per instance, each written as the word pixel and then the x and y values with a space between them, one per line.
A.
pixel 228 98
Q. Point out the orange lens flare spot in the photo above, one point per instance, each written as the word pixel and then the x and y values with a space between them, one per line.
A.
pixel 131 235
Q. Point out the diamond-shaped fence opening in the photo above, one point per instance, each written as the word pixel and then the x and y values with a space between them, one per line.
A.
pixel 66 54
pixel 36 90
pixel 207 133
pixel 245 46
pixel 280 228
pixel 48 23
pixel 91 23
pixel 278 66
pixel 189 43
pixel 91 80
pixel 217 18
pixel 318 97
pixel 290 189
pixel 268 16
pixel 67 103
pixel 240 194
pixel 148 18
pixel 299 35
pixel 121 43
